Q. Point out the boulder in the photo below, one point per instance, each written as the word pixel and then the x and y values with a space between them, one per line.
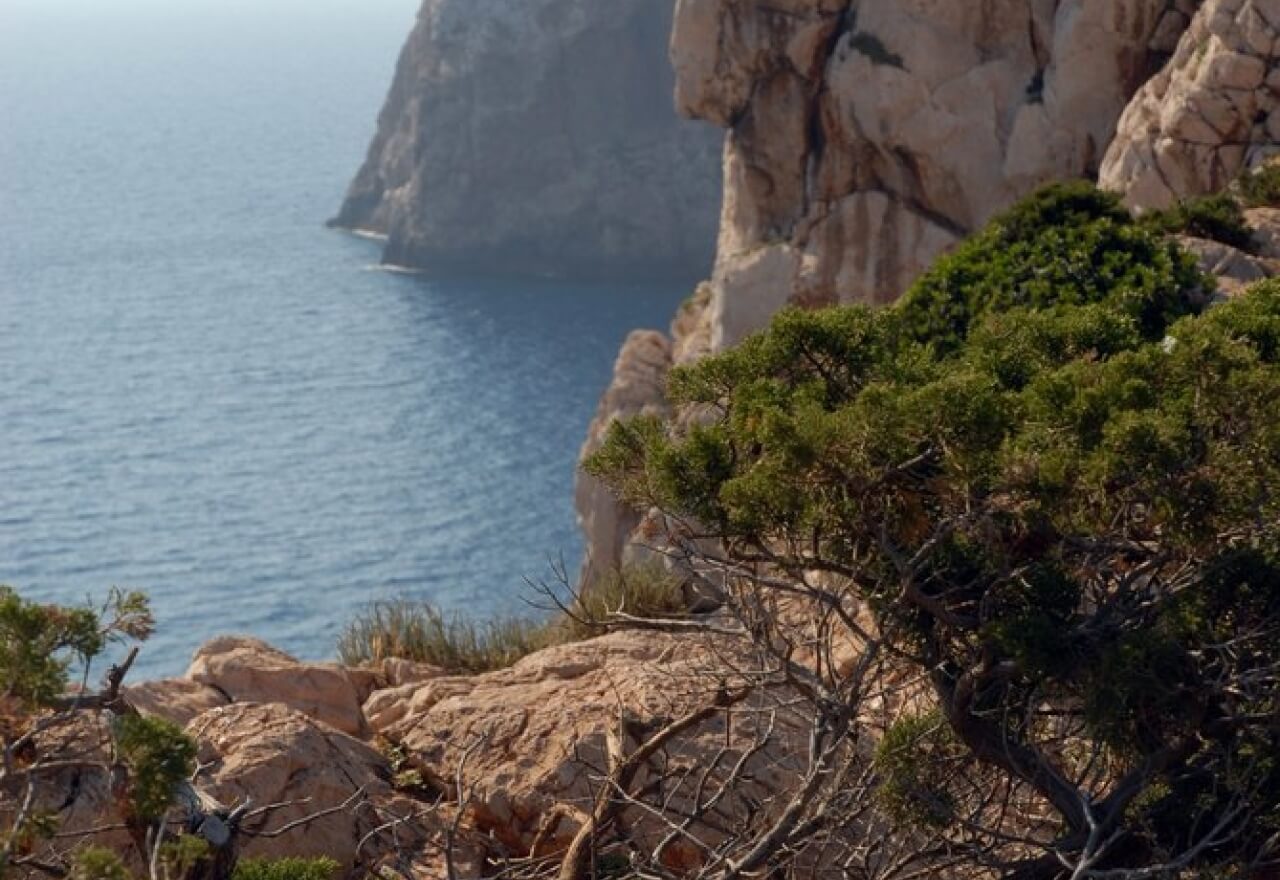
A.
pixel 530 742
pixel 251 671
pixel 269 754
pixel 174 699
pixel 1233 268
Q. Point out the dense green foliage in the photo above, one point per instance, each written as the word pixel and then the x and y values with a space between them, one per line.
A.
pixel 98 863
pixel 1217 218
pixel 285 869
pixel 159 757
pixel 1057 484
pixel 1067 245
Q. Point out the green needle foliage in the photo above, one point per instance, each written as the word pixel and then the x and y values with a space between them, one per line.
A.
pixel 1055 480
pixel 1217 218
pixel 159 757
pixel 285 869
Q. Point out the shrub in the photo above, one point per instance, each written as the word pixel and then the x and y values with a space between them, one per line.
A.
pixel 285 869
pixel 159 757
pixel 1260 188
pixel 907 760
pixel 1055 483
pixel 1217 218
pixel 98 863
pixel 1066 245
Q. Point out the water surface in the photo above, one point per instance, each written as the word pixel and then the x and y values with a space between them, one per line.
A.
pixel 204 393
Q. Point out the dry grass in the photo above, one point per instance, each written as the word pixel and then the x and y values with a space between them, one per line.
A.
pixel 419 631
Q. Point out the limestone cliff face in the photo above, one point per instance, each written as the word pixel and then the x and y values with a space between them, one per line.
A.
pixel 538 136
pixel 866 137
pixel 1211 113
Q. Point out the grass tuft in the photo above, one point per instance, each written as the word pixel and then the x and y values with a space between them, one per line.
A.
pixel 409 629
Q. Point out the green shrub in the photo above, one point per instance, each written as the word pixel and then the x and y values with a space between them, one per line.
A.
pixel 285 869
pixel 1217 218
pixel 907 759
pixel 159 757
pixel 1066 245
pixel 1260 188
pixel 97 863
pixel 40 643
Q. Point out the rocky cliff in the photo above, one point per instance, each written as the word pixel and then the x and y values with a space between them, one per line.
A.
pixel 538 136
pixel 867 137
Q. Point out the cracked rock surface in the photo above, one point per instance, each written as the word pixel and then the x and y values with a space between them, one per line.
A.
pixel 1209 115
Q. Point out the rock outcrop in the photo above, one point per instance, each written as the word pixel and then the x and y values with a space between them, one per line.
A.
pixel 538 136
pixel 638 388
pixel 531 742
pixel 250 671
pixel 1210 114
pixel 527 744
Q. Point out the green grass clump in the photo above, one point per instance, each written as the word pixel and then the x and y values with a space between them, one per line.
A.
pixel 647 591
pixel 418 631
pixel 285 869
pixel 408 629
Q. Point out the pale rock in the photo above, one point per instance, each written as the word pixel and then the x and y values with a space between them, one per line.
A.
pixel 638 388
pixel 251 671
pixel 750 291
pixel 1193 127
pixel 907 125
pixel 271 754
pixel 1233 268
pixel 174 699
pixel 1265 223
pixel 526 738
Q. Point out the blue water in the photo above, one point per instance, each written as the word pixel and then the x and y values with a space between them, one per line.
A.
pixel 205 394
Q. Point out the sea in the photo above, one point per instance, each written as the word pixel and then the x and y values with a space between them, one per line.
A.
pixel 207 395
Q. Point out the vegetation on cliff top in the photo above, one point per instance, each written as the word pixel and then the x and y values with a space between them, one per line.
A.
pixel 1052 478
